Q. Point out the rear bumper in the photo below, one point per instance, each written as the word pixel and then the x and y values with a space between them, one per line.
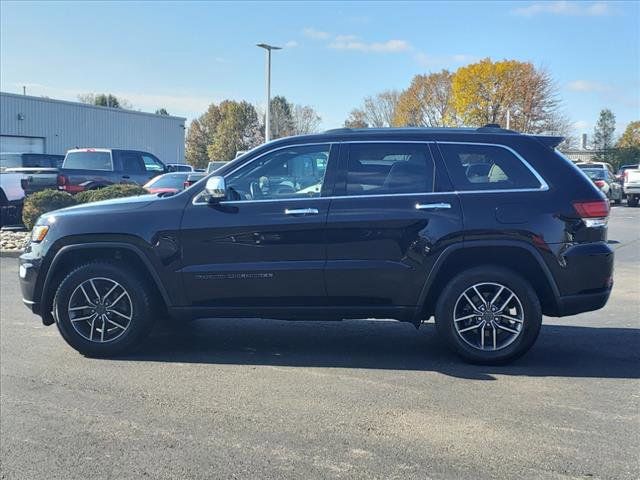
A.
pixel 586 302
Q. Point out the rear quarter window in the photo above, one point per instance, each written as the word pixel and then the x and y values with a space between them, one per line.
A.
pixel 486 167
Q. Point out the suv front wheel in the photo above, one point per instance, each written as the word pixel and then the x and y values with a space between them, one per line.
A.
pixel 103 309
pixel 488 315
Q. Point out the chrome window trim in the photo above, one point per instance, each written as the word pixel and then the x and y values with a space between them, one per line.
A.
pixel 543 184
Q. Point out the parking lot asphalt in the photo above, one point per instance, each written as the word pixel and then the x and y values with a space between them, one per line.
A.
pixel 354 399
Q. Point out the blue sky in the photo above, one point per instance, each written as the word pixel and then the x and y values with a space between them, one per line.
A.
pixel 183 56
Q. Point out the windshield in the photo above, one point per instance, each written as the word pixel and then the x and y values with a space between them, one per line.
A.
pixel 169 180
pixel 88 161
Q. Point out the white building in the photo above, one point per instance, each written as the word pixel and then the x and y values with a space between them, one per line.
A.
pixel 42 125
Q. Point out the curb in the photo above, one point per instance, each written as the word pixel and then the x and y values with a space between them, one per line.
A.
pixel 10 253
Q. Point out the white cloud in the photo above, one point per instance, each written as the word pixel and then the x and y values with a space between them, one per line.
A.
pixel 390 46
pixel 291 44
pixel 593 9
pixel 316 34
pixel 586 86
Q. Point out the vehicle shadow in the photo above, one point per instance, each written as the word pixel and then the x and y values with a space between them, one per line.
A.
pixel 561 351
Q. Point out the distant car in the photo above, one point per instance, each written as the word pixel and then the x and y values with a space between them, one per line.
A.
pixel 193 178
pixel 11 197
pixel 606 183
pixel 213 166
pixel 29 160
pixel 631 187
pixel 167 183
pixel 597 166
pixel 92 168
pixel 623 169
pixel 39 171
pixel 179 167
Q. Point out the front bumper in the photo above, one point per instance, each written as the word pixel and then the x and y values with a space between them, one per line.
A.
pixel 29 269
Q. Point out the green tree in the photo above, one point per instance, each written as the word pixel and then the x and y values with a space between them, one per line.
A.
pixel 162 111
pixel 237 129
pixel 196 145
pixel 281 121
pixel 603 135
pixel 200 136
pixel 105 100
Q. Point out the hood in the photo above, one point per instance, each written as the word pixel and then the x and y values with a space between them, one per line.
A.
pixel 104 206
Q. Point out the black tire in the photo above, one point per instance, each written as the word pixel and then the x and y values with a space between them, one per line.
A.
pixel 617 201
pixel 632 201
pixel 531 311
pixel 141 309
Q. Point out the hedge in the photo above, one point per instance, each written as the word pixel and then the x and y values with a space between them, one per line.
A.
pixel 46 201
pixel 42 202
pixel 112 191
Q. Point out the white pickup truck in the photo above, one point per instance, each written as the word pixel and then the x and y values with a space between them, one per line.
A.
pixel 11 198
pixel 631 186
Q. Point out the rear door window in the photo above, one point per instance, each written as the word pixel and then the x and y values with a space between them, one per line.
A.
pixel 389 168
pixel 486 167
pixel 132 162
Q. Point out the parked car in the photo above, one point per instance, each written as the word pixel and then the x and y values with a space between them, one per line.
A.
pixel 167 183
pixel 193 178
pixel 596 165
pixel 91 168
pixel 607 184
pixel 213 166
pixel 29 160
pixel 381 223
pixel 631 187
pixel 179 167
pixel 11 198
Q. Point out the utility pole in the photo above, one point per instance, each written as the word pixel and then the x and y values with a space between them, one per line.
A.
pixel 267 116
pixel 508 119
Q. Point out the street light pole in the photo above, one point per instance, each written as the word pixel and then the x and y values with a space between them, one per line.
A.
pixel 267 116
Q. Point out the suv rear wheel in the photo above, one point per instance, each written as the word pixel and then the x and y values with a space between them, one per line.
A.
pixel 488 315
pixel 103 309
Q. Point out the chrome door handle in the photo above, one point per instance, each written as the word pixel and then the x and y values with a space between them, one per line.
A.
pixel 432 206
pixel 301 211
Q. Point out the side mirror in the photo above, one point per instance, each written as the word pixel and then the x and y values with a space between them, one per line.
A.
pixel 215 189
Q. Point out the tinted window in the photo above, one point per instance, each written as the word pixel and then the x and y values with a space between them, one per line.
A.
pixel 152 164
pixel 486 167
pixel 388 168
pixel 132 162
pixel 88 160
pixel 294 172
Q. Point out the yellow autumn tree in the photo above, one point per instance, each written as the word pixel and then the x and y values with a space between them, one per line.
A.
pixel 427 102
pixel 483 92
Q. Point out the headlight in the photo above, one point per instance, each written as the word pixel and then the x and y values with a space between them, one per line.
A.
pixel 39 232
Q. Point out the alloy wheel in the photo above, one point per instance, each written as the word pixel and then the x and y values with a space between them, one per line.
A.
pixel 488 316
pixel 100 309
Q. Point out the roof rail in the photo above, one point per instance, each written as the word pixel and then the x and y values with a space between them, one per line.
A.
pixel 494 127
pixel 338 130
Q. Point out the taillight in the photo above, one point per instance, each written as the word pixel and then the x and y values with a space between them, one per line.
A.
pixel 599 183
pixel 593 213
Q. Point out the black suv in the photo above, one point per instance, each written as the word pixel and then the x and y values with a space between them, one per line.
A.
pixel 485 229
